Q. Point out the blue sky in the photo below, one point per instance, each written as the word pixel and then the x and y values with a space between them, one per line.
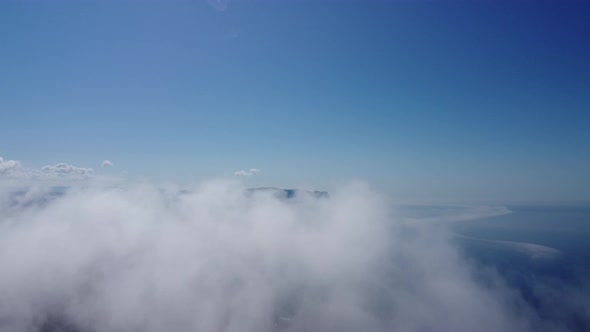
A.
pixel 428 100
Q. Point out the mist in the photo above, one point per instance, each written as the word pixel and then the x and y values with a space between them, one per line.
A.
pixel 220 258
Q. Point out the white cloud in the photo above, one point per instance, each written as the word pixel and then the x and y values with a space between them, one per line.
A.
pixel 248 173
pixel 63 170
pixel 214 259
pixel 8 166
pixel 106 163
pixel 13 169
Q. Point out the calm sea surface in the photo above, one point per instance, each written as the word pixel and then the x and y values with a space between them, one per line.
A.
pixel 557 285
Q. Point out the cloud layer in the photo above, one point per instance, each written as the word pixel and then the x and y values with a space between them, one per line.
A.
pixel 217 259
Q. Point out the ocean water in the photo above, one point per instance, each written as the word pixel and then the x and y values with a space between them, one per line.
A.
pixel 566 229
pixel 541 251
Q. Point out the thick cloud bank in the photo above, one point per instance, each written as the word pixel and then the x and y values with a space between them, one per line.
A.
pixel 217 259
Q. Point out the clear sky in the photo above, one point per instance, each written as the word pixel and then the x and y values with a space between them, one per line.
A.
pixel 424 99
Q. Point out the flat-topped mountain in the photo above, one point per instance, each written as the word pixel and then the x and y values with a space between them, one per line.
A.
pixel 289 193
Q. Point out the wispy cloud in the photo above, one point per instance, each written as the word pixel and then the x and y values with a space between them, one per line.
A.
pixel 220 5
pixel 248 173
pixel 15 170
pixel 63 170
pixel 106 163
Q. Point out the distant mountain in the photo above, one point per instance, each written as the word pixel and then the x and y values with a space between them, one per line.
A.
pixel 23 198
pixel 288 193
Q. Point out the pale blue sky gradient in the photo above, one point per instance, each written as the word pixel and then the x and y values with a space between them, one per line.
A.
pixel 423 99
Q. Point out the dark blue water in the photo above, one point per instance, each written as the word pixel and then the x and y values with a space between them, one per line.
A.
pixel 556 286
pixel 564 228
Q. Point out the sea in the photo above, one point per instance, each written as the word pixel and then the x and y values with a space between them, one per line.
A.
pixel 542 251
